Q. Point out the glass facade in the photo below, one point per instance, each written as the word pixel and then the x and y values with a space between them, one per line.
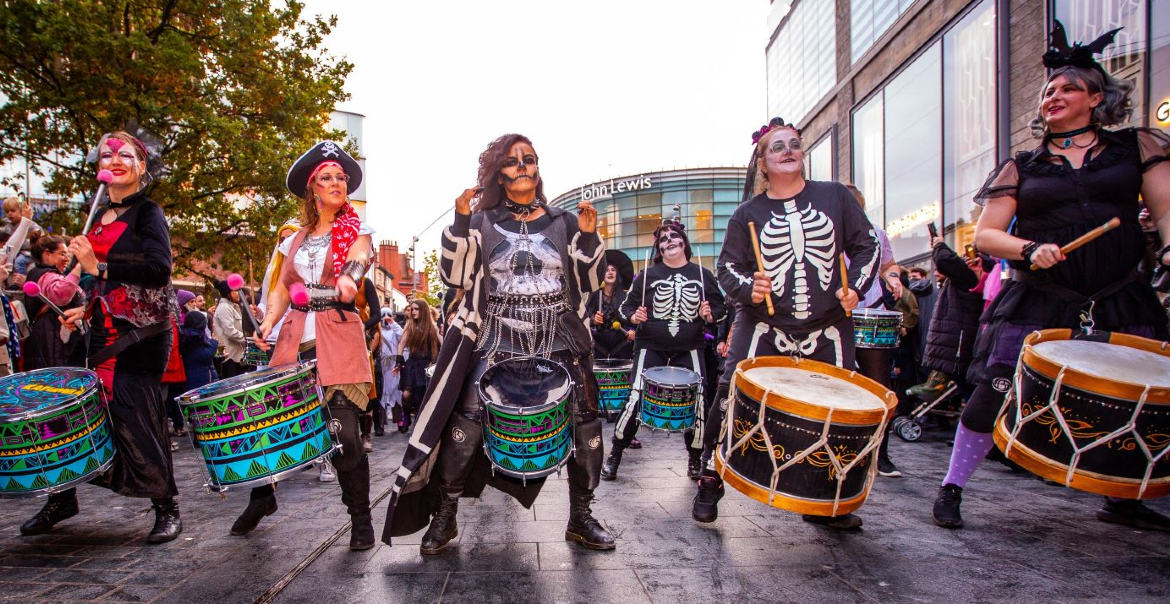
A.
pixel 802 61
pixel 703 198
pixel 869 19
pixel 1160 65
pixel 819 160
pixel 1084 20
pixel 924 143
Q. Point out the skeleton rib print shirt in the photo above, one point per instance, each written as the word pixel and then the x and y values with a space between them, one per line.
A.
pixel 801 240
pixel 673 297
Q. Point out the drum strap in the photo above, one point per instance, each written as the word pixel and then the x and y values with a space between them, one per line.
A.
pixel 1044 284
pixel 125 340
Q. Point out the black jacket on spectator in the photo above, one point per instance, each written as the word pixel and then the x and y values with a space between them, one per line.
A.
pixel 956 316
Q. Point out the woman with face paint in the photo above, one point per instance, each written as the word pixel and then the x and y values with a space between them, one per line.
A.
pixel 526 270
pixel 1079 176
pixel 128 253
pixel 328 256
pixel 681 299
pixel 613 336
pixel 803 284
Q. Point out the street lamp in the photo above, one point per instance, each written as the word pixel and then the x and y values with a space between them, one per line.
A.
pixel 413 267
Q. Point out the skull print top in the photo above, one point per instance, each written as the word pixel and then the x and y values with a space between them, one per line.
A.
pixel 801 240
pixel 672 300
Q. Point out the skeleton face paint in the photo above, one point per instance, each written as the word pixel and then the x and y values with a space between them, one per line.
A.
pixel 119 158
pixel 520 174
pixel 783 153
pixel 671 244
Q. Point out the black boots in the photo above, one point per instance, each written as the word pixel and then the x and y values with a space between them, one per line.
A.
pixel 355 494
pixel 705 507
pixel 583 528
pixel 59 507
pixel 443 527
pixel 1131 512
pixel 366 423
pixel 946 507
pixel 610 469
pixel 167 525
pixel 261 503
pixel 694 463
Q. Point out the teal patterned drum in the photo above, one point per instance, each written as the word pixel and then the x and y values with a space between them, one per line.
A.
pixel 254 356
pixel 527 432
pixel 614 378
pixel 54 431
pixel 259 427
pixel 670 396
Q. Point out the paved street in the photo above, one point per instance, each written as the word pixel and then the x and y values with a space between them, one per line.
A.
pixel 1024 541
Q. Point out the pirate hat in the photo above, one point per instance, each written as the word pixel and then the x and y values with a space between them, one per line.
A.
pixel 297 180
pixel 623 264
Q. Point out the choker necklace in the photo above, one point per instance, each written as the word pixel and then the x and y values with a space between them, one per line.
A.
pixel 1068 136
pixel 521 209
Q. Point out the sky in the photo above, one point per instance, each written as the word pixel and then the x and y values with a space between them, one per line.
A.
pixel 603 88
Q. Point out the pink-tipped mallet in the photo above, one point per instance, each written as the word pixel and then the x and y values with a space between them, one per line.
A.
pixel 104 177
pixel 235 281
pixel 32 290
pixel 298 294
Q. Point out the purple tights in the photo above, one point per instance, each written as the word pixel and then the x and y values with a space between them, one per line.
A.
pixel 970 449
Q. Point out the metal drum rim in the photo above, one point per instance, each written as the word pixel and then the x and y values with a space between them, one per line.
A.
pixel 27 415
pixel 646 377
pixel 488 402
pixel 617 364
pixel 57 488
pixel 281 371
pixel 269 478
pixel 795 504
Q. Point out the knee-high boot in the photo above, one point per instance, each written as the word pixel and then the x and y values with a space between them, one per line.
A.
pixel 355 494
pixel 584 475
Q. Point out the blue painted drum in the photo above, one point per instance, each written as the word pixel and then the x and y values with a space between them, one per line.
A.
pixel 876 328
pixel 54 431
pixel 254 356
pixel 526 428
pixel 614 378
pixel 259 427
pixel 669 398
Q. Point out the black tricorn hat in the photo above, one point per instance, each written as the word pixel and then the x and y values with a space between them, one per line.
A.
pixel 623 264
pixel 297 180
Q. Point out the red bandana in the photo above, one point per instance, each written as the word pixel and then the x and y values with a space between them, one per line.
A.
pixel 345 232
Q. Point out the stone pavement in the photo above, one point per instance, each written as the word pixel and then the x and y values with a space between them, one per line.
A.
pixel 1024 541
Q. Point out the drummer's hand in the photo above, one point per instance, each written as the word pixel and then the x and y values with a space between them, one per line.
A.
pixel 260 337
pixel 705 312
pixel 937 241
pixel 463 202
pixel 72 318
pixel 761 287
pixel 631 334
pixel 598 318
pixel 1046 256
pixel 346 289
pixel 848 298
pixel 721 348
pixel 81 249
pixel 586 217
pixel 639 316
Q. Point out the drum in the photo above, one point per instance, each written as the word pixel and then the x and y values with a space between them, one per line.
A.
pixel 1092 413
pixel 803 435
pixel 259 427
pixel 669 398
pixel 254 356
pixel 527 430
pixel 614 378
pixel 54 431
pixel 876 327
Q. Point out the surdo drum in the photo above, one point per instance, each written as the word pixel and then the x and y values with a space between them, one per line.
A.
pixel 1092 413
pixel 614 378
pixel 669 398
pixel 527 432
pixel 54 431
pixel 259 427
pixel 876 328
pixel 803 435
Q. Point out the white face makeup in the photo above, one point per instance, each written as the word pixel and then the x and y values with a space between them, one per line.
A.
pixel 119 158
pixel 783 152
pixel 611 274
pixel 671 244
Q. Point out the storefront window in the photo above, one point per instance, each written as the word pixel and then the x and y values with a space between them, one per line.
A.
pixel 869 19
pixel 913 153
pixel 820 159
pixel 868 158
pixel 802 60
pixel 1084 20
pixel 1160 65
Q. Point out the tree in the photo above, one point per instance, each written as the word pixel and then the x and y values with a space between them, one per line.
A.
pixel 235 89
pixel 435 288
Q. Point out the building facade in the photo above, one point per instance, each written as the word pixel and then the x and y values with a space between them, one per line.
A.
pixel 631 207
pixel 916 101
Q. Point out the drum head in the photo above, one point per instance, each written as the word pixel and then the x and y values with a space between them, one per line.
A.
pixel 813 388
pixel 524 382
pixel 1118 363
pixel 242 382
pixel 671 376
pixel 877 313
pixel 33 393
pixel 612 364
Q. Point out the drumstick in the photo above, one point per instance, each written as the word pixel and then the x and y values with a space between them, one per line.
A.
pixel 645 278
pixel 845 282
pixel 1087 237
pixel 760 264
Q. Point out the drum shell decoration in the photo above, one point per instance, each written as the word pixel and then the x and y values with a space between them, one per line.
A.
pixel 876 328
pixel 1093 408
pixel 259 427
pixel 614 379
pixel 523 440
pixel 54 431
pixel 256 357
pixel 669 398
pixel 809 486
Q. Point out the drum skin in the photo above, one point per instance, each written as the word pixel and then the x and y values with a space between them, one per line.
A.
pixel 259 427
pixel 876 328
pixel 527 429
pixel 1093 407
pixel 809 486
pixel 669 396
pixel 54 431
pixel 614 379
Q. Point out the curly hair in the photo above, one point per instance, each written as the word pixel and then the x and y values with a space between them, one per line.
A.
pixel 491 163
pixel 1115 108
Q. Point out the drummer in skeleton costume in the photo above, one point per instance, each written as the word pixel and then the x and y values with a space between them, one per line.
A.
pixel 527 269
pixel 803 227
pixel 680 297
